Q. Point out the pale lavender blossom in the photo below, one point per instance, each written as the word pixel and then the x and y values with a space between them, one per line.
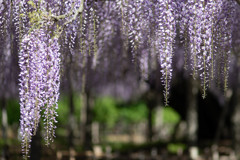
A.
pixel 39 61
pixel 31 58
pixel 166 32
pixel 135 20
pixel 224 33
pixel 5 20
pixel 205 58
pixel 196 10
pixel 144 63
pixel 20 18
pixel 50 87
pixel 236 35
pixel 183 15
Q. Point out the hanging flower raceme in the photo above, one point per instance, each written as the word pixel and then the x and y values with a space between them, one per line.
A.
pixel 51 84
pixel 224 29
pixel 166 32
pixel 196 10
pixel 212 10
pixel 208 37
pixel 107 27
pixel 39 84
pixel 205 60
pixel 5 13
pixel 134 26
pixel 31 59
pixel 93 31
pixel 123 7
pixel 183 13
pixel 71 29
pixel 236 31
pixel 146 40
pixel 21 9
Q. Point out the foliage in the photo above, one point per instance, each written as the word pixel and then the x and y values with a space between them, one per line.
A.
pixel 134 113
pixel 13 111
pixel 105 111
pixel 170 115
pixel 63 109
pixel 175 147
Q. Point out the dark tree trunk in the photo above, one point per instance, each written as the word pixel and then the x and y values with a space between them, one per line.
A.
pixel 221 125
pixel 192 119
pixel 236 127
pixel 7 51
pixel 36 148
pixel 236 116
pixel 4 153
pixel 223 116
pixel 87 144
pixel 71 121
pixel 192 113
pixel 150 123
pixel 83 117
pixel 152 101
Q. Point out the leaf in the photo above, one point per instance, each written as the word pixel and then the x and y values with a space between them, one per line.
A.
pixel 31 3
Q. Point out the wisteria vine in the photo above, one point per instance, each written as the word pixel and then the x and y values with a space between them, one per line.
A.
pixel 86 29
pixel 39 85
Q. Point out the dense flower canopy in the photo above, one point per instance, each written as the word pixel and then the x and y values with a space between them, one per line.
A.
pixel 148 29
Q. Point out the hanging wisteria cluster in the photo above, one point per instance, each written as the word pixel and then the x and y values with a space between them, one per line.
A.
pixel 39 85
pixel 147 29
pixel 198 24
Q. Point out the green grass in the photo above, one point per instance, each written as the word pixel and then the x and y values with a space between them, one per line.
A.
pixel 175 147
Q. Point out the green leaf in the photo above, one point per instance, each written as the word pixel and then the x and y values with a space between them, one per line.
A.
pixel 31 3
pixel 105 111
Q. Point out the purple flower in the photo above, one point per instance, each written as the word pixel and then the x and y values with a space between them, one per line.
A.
pixel 39 84
pixel 206 55
pixel 224 29
pixel 50 88
pixel 196 10
pixel 135 24
pixel 166 33
pixel 31 58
